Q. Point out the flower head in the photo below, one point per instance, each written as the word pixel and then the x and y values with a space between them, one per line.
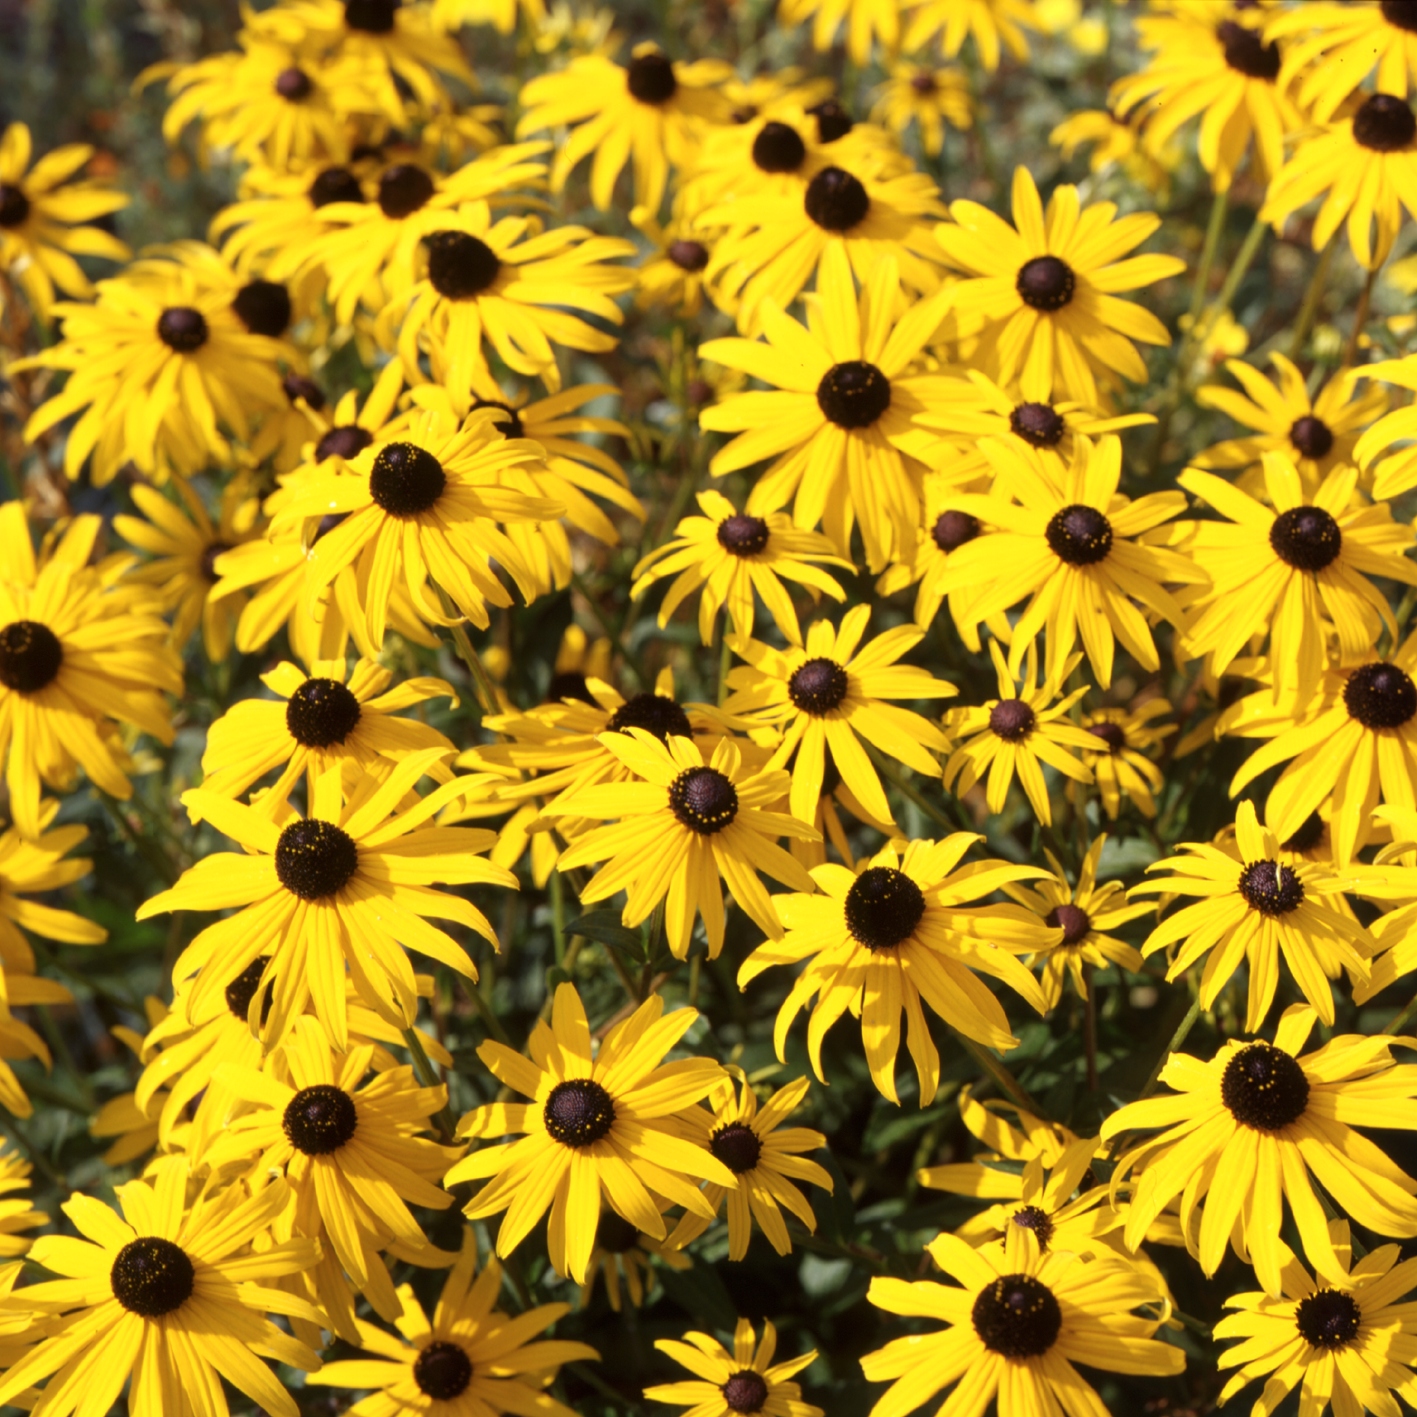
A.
pixel 727 1384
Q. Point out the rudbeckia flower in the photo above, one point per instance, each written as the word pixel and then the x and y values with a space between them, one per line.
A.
pixel 347 886
pixel 1047 291
pixel 994 25
pixel 902 929
pixel 469 1361
pixel 626 1258
pixel 1119 755
pixel 44 219
pixel 831 694
pixel 1217 64
pixel 929 98
pixel 1289 569
pixel 1364 167
pixel 500 14
pixel 866 21
pixel 671 274
pixel 689 819
pixel 746 1380
pixel 1013 735
pixel 725 555
pixel 766 1157
pixel 1388 441
pixel 845 416
pixel 606 1120
pixel 1253 1128
pixel 1116 141
pixel 1258 905
pixel 1349 1343
pixel 1080 551
pixel 173 1296
pixel 650 114
pixel 1336 46
pixel 1019 1319
pixel 17 1212
pixel 77 655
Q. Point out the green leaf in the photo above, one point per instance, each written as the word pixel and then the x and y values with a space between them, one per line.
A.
pixel 604 927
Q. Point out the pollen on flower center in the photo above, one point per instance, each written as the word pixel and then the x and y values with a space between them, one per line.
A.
pixel 1384 124
pixel 703 800
pixel 1271 888
pixel 1311 437
pixel 1046 283
pixel 315 858
pixel 293 84
pixel 263 306
pixel 347 441
pixel 152 1277
pixel 651 79
pixel 319 1120
pixel 1328 1318
pixel 30 656
pixel 737 1146
pixel 1079 535
pixel 1011 720
pixel 654 713
pixel 745 1391
pixel 242 990
pixel 442 1371
pixel 1306 538
pixel 779 148
pixel 853 394
pixel 836 200
pixel 14 206
pixel 1264 1088
pixel 579 1112
pixel 182 329
pixel 1246 52
pixel 1039 424
pixel 690 256
pixel 743 535
pixel 321 712
pixel 335 184
pixel 1380 696
pixel 1072 920
pixel 1017 1316
pixel 953 529
pixel 460 265
pixel 404 189
pixel 406 479
pixel 818 686
pixel 1030 1217
pixel 1402 14
pixel 883 907
pixel 371 16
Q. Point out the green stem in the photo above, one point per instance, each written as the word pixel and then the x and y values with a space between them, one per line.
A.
pixel 695 969
pixel 1090 1037
pixel 558 917
pixel 1360 318
pixel 936 814
pixel 723 662
pixel 1001 1075
pixel 1183 1030
pixel 427 1077
pixel 1318 283
pixel 1239 269
pixel 481 680
pixel 1216 226
pixel 145 847
pixel 1399 1019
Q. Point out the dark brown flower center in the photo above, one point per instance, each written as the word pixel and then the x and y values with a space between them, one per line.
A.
pixel 152 1277
pixel 1072 920
pixel 743 535
pixel 14 206
pixel 1380 696
pixel 371 16
pixel 1079 535
pixel 1039 424
pixel 737 1146
pixel 1400 13
pixel 404 189
pixel 1271 888
pixel 263 307
pixel 654 713
pixel 923 83
pixel 836 200
pixel 321 712
pixel 818 686
pixel 406 479
pixel 1306 538
pixel 745 1391
pixel 509 422
pixel 297 386
pixel 347 441
pixel 579 1112
pixel 460 265
pixel 1384 124
pixel 1046 283
pixel 883 907
pixel 1112 734
pixel 854 394
pixel 1030 1217
pixel 779 148
pixel 1328 1318
pixel 442 1371
pixel 690 256
pixel 1246 52
pixel 206 563
pixel 315 858
pixel 1264 1088
pixel 953 529
pixel 30 656
pixel 1311 437
pixel 1310 833
pixel 614 1234
pixel 1011 720
pixel 833 121
pixel 293 84
pixel 183 329
pixel 242 990
pixel 1017 1317
pixel 651 78
pixel 319 1120
pixel 704 800
pixel 569 684
pixel 335 184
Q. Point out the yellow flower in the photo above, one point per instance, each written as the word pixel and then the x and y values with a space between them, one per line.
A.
pixel 1123 739
pixel 994 25
pixel 1388 438
pixel 929 98
pixel 501 14
pixel 746 1380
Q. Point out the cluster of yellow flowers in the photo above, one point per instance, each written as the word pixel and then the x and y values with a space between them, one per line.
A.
pixel 939 397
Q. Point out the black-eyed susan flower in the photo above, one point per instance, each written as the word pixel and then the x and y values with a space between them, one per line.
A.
pixel 726 555
pixel 1046 288
pixel 349 885
pixel 746 1380
pixel 1318 432
pixel 832 693
pixel 1349 1342
pixel 899 931
pixel 671 274
pixel 422 509
pixel 1014 735
pixel 1082 552
pixel 1292 568
pixel 1214 62
pixel 835 798
pixel 78 654
pixel 500 14
pixel 317 721
pixel 1085 913
pixel 994 25
pixel 46 219
pixel 1120 754
pixel 171 1295
pixel 1331 48
pixel 17 1212
pixel 766 1157
pixel 931 99
pixel 843 423
pixel 1258 906
pixel 470 1360
pixel 1388 443
pixel 625 1258
pixel 1253 1128
pixel 867 22
pixel 605 1120
pixel 1118 141
pixel 691 822
pixel 649 113
pixel 1365 168
pixel 1020 1318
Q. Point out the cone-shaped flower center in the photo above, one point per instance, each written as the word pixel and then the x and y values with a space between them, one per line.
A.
pixel 406 479
pixel 442 1371
pixel 651 78
pixel 30 656
pixel 460 266
pixel 1246 52
pixel 346 441
pixel 691 256
pixel 743 535
pixel 1030 1217
pixel 1306 538
pixel 404 189
pixel 1264 1087
pixel 1308 836
pixel 703 800
pixel 14 206
pixel 152 1277
pixel 854 394
pixel 1046 283
pixel 321 712
pixel 319 1120
pixel 315 858
pixel 745 1392
pixel 1072 920
pixel 242 990
pixel 737 1146
pixel 833 121
pixel 1039 424
pixel 293 84
pixel 335 184
pixel 1328 1318
pixel 1079 535
pixel 1017 1317
pixel 654 713
pixel 579 1112
pixel 1011 720
pixel 1271 888
pixel 883 907
pixel 1380 696
pixel 836 200
pixel 779 148
pixel 818 686
pixel 1311 437
pixel 1384 124
pixel 953 529
pixel 182 328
